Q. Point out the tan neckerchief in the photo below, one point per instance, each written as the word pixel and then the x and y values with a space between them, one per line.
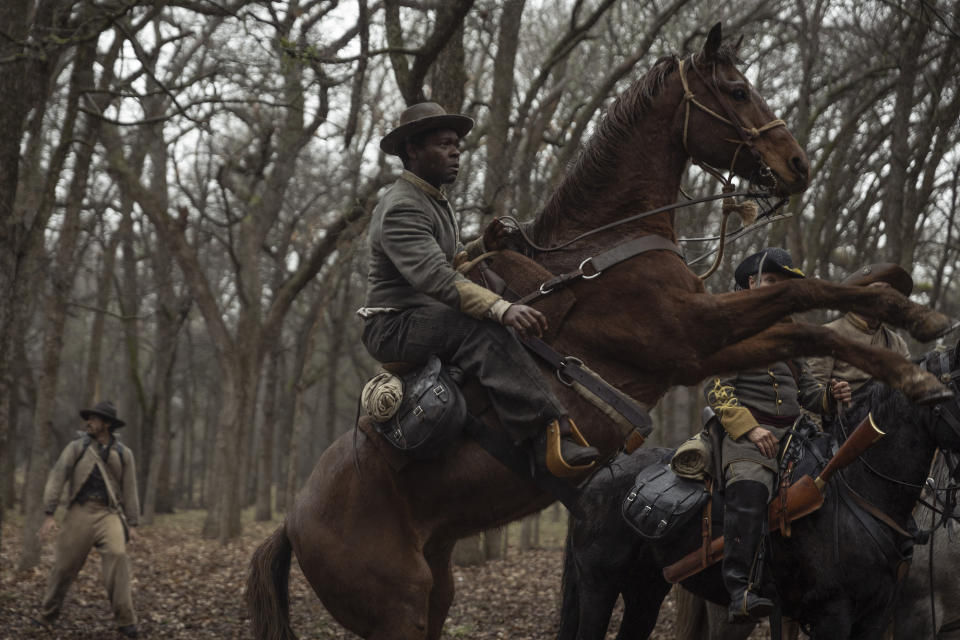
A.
pixel 423 185
pixel 861 324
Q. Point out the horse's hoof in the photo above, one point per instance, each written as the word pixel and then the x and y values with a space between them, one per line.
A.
pixel 932 325
pixel 953 327
pixel 935 397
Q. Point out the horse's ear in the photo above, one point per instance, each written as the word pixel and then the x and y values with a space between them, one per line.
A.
pixel 736 47
pixel 712 45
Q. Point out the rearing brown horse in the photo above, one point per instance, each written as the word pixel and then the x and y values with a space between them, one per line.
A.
pixel 375 543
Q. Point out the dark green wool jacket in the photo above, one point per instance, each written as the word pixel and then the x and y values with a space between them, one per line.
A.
pixel 414 239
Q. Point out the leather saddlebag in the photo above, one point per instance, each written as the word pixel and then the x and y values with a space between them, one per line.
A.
pixel 431 415
pixel 660 501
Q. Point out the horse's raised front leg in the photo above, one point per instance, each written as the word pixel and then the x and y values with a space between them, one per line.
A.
pixel 790 340
pixel 744 313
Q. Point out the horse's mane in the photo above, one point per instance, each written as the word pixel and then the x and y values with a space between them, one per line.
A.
pixel 598 159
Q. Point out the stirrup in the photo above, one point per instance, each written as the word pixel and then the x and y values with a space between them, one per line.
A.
pixel 555 462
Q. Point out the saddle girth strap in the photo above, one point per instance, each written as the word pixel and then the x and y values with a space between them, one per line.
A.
pixel 595 265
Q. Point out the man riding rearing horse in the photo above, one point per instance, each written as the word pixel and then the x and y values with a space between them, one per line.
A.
pixel 419 305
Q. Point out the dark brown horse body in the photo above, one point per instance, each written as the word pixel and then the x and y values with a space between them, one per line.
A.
pixel 375 544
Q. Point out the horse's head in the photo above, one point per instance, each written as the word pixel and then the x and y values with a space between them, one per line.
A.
pixel 727 125
pixel 946 366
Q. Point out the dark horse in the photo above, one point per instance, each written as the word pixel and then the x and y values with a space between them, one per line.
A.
pixel 375 543
pixel 836 575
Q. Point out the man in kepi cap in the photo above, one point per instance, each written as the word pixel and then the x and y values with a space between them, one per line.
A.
pixel 418 304
pixel 756 408
pixel 864 329
pixel 102 511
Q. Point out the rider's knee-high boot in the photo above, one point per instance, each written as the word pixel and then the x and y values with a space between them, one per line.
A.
pixel 743 520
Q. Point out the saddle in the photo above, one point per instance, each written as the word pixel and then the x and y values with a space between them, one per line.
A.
pixel 660 501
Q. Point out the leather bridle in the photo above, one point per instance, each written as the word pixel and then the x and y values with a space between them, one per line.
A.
pixel 946 411
pixel 747 135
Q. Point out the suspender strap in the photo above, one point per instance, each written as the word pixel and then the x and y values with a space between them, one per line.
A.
pixel 571 370
pixel 114 503
pixel 595 265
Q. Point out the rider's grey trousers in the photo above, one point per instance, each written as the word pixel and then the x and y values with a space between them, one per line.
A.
pixel 519 393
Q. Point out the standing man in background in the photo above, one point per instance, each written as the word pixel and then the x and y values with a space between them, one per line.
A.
pixel 102 512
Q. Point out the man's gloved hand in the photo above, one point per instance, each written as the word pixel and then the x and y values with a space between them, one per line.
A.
pixel 496 235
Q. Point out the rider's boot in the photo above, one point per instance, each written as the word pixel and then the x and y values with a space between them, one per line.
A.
pixel 743 520
pixel 566 452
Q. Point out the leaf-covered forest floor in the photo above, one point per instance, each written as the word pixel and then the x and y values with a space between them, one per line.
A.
pixel 188 587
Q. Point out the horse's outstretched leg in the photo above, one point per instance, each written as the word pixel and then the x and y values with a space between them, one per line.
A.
pixel 743 313
pixel 789 340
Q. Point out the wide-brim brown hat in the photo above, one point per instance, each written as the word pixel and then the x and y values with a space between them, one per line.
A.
pixel 893 274
pixel 770 259
pixel 105 410
pixel 421 117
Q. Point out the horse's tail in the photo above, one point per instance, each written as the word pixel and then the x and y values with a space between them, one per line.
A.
pixel 268 595
pixel 569 589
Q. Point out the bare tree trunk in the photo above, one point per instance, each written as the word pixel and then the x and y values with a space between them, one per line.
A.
pixel 469 551
pixel 308 336
pixel 264 448
pixel 526 531
pixel 92 389
pixel 495 184
pixel 493 544
pixel 55 312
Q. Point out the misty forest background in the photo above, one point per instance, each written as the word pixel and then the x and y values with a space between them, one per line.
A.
pixel 185 187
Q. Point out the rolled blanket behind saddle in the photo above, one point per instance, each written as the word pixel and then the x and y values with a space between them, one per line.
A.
pixel 693 459
pixel 381 396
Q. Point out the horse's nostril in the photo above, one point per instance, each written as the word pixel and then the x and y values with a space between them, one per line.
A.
pixel 800 165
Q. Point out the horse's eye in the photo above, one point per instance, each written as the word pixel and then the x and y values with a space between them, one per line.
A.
pixel 740 95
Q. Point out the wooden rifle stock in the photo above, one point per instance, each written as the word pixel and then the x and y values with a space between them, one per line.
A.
pixel 803 498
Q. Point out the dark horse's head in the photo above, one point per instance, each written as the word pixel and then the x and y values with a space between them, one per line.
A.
pixel 913 431
pixel 727 125
pixel 946 366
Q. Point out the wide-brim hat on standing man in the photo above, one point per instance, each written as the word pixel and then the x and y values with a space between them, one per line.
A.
pixel 771 259
pixel 893 274
pixel 105 410
pixel 424 116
